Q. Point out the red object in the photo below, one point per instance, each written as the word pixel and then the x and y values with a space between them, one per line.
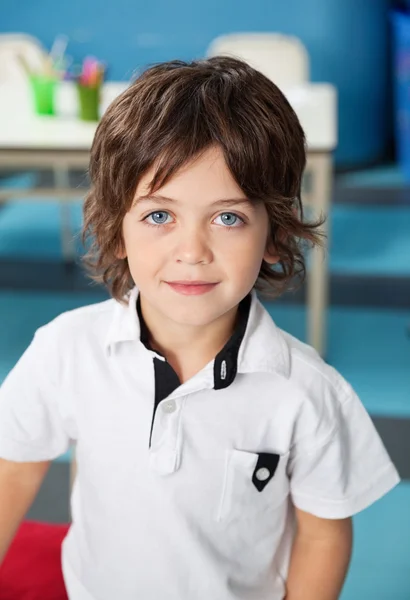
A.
pixel 32 567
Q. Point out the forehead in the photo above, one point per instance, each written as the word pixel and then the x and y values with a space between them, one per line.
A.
pixel 207 177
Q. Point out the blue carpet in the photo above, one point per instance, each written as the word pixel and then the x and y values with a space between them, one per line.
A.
pixel 380 562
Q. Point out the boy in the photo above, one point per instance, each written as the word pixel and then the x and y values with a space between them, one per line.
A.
pixel 218 457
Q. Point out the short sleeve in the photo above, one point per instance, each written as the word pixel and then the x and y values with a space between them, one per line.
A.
pixel 344 472
pixel 31 426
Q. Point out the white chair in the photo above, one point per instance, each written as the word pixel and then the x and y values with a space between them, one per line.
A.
pixel 285 61
pixel 13 47
pixel 282 58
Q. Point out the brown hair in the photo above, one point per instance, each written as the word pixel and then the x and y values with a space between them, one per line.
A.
pixel 169 115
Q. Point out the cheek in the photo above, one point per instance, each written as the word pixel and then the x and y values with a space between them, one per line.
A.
pixel 133 245
pixel 140 242
pixel 243 250
pixel 136 238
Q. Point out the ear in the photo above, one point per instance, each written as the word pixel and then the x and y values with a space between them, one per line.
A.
pixel 120 255
pixel 120 252
pixel 271 255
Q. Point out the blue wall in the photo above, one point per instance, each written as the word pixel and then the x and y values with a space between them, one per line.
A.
pixel 346 39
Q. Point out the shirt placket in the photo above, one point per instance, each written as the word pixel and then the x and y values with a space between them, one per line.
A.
pixel 166 446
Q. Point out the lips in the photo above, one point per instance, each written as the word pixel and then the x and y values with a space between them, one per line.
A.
pixel 192 288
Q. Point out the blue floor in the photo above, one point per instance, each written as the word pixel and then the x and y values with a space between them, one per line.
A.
pixel 380 563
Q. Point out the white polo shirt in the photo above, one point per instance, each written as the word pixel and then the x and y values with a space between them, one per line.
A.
pixel 187 492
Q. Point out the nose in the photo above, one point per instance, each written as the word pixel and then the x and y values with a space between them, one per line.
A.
pixel 193 247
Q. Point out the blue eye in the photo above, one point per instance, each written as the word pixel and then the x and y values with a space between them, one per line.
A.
pixel 159 217
pixel 229 219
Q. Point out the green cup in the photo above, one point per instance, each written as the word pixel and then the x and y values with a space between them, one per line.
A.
pixel 89 102
pixel 44 89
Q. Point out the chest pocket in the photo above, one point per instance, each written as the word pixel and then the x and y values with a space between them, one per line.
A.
pixel 255 483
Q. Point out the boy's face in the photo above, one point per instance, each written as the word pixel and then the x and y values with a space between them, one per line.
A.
pixel 195 246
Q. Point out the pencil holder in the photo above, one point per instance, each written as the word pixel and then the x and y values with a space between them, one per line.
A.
pixel 89 102
pixel 44 91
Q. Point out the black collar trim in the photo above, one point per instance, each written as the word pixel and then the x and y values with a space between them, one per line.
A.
pixel 226 361
pixel 144 335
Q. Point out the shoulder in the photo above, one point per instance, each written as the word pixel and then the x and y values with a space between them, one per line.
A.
pixel 308 370
pixel 73 327
pixel 301 374
pixel 322 398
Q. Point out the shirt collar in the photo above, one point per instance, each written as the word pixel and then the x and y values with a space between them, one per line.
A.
pixel 125 326
pixel 257 344
pixel 264 347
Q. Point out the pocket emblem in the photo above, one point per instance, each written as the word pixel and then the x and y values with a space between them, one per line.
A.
pixel 264 470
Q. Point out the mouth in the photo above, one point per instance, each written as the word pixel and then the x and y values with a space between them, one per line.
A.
pixel 192 288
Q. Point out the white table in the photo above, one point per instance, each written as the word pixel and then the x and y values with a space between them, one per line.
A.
pixel 63 143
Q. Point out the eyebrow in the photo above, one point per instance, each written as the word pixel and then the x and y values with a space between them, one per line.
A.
pixel 221 202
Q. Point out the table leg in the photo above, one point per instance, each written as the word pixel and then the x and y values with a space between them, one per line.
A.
pixel 318 278
pixel 61 180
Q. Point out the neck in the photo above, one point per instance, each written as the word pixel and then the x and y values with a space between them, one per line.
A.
pixel 188 348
